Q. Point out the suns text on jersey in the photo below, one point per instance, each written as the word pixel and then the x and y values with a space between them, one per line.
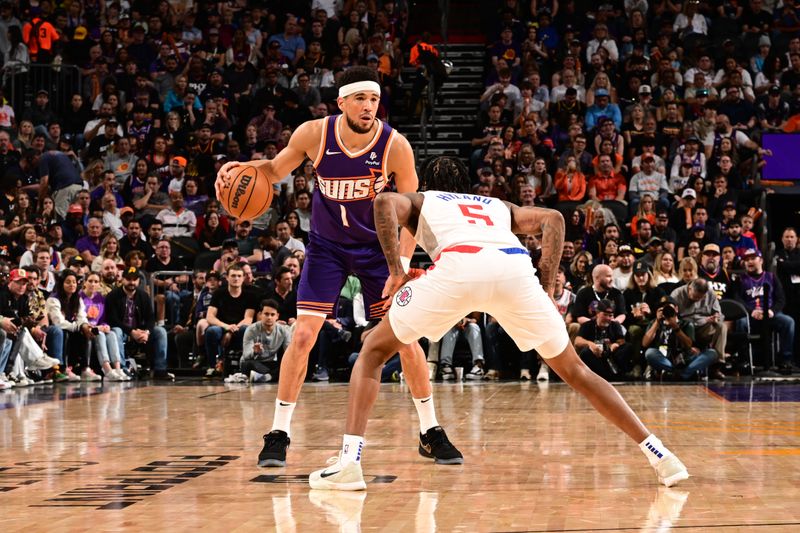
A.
pixel 353 188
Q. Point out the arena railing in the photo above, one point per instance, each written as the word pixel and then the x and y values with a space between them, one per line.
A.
pixel 61 81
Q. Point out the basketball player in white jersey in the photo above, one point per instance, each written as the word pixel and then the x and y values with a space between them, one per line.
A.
pixel 479 265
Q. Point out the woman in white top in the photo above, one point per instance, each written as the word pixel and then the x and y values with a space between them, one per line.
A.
pixel 66 310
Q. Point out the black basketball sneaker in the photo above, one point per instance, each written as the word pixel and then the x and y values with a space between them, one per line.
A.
pixel 274 451
pixel 435 444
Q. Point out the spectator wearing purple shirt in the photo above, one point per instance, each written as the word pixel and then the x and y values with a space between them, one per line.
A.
pixel 89 245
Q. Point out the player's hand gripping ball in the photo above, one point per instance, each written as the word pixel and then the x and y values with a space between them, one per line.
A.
pixel 244 191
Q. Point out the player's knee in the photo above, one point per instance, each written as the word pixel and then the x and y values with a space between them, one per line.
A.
pixel 304 339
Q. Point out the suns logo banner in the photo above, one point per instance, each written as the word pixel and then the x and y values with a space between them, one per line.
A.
pixel 353 188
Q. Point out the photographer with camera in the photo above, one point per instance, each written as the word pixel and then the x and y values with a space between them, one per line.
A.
pixel 669 344
pixel 602 345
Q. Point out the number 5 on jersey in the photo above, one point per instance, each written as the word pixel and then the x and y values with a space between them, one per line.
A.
pixel 468 210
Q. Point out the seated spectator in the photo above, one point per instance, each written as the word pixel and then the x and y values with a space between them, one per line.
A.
pixel 66 310
pixel 624 270
pixel 579 271
pixel 763 296
pixel 602 288
pixel 700 306
pixel 89 246
pixel 168 289
pixel 664 273
pixel 601 344
pixel 669 344
pixel 284 232
pixel 176 220
pixel 231 310
pixel 134 240
pixel 734 238
pixel 468 329
pixel 284 292
pixel 641 300
pixel 263 344
pixel 130 315
pixel 109 249
pixel 609 188
pixel 603 108
pixel 104 343
pixel 570 184
pixel 723 283
pixel 648 182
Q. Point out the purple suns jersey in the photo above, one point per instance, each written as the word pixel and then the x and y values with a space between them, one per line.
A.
pixel 347 182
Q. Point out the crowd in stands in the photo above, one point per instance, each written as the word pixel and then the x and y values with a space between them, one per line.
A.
pixel 112 243
pixel 640 121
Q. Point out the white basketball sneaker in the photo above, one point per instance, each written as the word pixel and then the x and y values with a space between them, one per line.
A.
pixel 671 470
pixel 338 476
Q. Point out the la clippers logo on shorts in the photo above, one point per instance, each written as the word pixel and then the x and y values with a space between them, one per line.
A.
pixel 403 297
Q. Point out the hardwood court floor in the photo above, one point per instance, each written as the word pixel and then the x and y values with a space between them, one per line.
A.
pixel 182 458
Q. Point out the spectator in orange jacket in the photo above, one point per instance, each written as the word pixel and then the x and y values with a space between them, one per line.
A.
pixel 609 188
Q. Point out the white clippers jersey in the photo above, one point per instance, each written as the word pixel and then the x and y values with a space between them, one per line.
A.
pixel 451 219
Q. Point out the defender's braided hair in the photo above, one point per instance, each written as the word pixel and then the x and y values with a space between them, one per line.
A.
pixel 444 173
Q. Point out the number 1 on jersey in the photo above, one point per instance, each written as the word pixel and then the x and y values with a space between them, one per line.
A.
pixel 345 223
pixel 468 211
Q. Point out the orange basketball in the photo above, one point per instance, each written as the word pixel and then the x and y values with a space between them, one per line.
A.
pixel 249 194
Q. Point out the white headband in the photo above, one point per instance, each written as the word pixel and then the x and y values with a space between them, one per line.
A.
pixel 358 87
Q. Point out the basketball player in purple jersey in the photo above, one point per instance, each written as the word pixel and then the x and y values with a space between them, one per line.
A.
pixel 356 155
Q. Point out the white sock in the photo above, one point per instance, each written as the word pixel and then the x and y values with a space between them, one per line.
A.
pixel 426 413
pixel 654 449
pixel 283 415
pixel 351 449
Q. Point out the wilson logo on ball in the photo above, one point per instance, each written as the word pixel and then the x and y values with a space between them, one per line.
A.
pixel 240 190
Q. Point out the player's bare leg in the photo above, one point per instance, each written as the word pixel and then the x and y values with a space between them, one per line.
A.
pixel 365 380
pixel 608 402
pixel 415 369
pixel 294 366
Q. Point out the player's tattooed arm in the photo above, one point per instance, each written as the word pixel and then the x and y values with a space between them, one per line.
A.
pixel 393 210
pixel 547 225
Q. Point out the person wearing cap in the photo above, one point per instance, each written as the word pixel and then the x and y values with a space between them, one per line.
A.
pixel 641 301
pixel 602 107
pixel 669 344
pixel 267 125
pixel 723 283
pixel 16 313
pixel 40 113
pixel 764 297
pixel 692 155
pixel 648 181
pixel 624 270
pixel 601 343
pixel 773 112
pixel 734 238
pixel 129 312
pixel 98 125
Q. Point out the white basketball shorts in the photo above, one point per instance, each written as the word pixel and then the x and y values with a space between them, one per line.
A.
pixel 491 281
